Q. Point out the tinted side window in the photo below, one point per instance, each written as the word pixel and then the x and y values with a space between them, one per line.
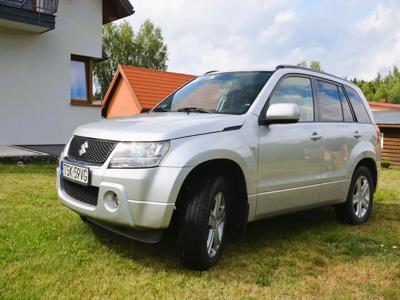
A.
pixel 348 116
pixel 296 90
pixel 358 106
pixel 329 106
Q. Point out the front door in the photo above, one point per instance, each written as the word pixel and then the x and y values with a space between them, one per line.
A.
pixel 290 154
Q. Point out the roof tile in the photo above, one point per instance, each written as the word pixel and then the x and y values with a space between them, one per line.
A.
pixel 152 86
pixel 387 117
pixel 376 106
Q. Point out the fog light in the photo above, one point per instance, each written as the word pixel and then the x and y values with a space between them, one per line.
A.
pixel 115 200
pixel 111 201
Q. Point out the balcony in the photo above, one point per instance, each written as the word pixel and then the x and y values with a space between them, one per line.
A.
pixel 36 16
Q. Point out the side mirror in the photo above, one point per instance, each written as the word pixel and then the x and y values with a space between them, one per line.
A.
pixel 282 113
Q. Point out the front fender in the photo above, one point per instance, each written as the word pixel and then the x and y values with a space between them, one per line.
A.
pixel 232 145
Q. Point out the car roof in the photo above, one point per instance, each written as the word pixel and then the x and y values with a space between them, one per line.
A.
pixel 295 69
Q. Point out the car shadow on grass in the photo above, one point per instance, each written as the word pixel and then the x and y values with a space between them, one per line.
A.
pixel 267 232
pixel 300 244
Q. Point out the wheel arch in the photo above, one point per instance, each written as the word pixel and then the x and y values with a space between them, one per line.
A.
pixel 371 165
pixel 233 172
pixel 365 153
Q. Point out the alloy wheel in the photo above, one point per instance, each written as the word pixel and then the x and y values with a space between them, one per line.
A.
pixel 361 197
pixel 216 224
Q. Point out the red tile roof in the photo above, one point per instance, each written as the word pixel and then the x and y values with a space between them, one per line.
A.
pixel 151 86
pixel 377 106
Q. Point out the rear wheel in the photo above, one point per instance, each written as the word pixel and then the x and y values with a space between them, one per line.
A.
pixel 358 206
pixel 202 223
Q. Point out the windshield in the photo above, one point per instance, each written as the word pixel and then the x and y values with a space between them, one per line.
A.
pixel 229 93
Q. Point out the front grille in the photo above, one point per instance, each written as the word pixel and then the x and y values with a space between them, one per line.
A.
pixel 97 151
pixel 85 194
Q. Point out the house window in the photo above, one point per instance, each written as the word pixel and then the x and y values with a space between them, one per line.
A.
pixel 79 86
pixel 81 78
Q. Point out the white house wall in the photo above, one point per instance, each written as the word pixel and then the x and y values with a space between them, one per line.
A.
pixel 35 76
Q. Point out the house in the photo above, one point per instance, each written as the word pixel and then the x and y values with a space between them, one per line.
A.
pixel 383 106
pixel 47 53
pixel 387 116
pixel 134 90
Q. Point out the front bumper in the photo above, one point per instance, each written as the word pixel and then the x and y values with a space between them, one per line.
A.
pixel 146 197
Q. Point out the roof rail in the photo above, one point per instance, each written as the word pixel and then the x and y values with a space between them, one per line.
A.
pixel 209 72
pixel 309 69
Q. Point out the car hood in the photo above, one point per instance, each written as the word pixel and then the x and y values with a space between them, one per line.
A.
pixel 159 126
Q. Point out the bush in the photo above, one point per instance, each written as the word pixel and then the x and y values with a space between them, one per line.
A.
pixel 385 164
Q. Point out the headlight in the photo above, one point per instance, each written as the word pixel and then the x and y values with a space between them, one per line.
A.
pixel 138 155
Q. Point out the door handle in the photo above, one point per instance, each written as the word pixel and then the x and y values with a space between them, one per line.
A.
pixel 315 136
pixel 357 135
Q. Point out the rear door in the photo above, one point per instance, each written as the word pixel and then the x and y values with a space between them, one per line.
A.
pixel 336 122
pixel 363 128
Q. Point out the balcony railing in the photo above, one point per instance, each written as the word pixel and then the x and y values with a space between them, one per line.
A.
pixel 41 6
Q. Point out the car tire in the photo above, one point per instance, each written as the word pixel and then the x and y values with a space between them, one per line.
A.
pixel 202 223
pixel 358 206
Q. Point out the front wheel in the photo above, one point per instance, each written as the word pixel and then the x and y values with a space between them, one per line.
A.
pixel 358 206
pixel 202 223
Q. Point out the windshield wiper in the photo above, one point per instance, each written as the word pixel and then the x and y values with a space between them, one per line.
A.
pixel 161 109
pixel 195 109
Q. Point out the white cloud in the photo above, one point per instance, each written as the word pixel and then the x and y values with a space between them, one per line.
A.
pixel 381 19
pixel 380 39
pixel 208 35
pixel 284 16
pixel 350 38
pixel 274 31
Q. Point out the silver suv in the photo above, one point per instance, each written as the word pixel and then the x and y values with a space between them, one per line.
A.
pixel 226 149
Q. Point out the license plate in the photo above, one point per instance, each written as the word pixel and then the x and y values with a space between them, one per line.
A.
pixel 75 173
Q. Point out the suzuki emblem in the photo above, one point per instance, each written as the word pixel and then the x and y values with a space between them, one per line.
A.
pixel 83 149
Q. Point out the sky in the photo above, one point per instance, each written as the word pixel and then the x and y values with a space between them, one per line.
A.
pixel 351 38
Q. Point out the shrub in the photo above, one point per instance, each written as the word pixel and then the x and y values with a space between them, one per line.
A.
pixel 385 164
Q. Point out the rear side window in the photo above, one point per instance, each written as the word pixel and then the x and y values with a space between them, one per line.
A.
pixel 347 115
pixel 296 90
pixel 358 106
pixel 329 103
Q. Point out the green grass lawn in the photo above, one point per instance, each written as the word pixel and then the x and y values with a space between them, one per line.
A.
pixel 47 252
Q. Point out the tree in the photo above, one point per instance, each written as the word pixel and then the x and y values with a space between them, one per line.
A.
pixel 367 89
pixel 381 93
pixel 146 49
pixel 302 64
pixel 394 94
pixel 382 87
pixel 314 64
